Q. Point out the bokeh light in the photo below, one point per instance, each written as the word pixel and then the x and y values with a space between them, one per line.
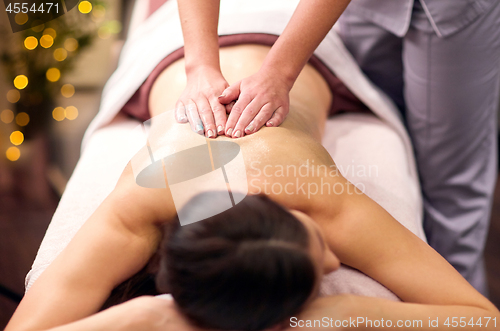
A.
pixel 7 116
pixel 103 32
pixel 53 74
pixel 67 90
pixel 13 153
pixel 99 11
pixel 20 82
pixel 37 26
pixel 114 26
pixel 21 18
pixel 46 41
pixel 30 43
pixel 85 7
pixel 60 54
pixel 71 44
pixel 51 32
pixel 71 113
pixel 16 138
pixel 58 114
pixel 22 119
pixel 13 96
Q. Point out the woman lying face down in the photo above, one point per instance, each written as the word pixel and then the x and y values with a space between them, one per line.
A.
pixel 258 263
pixel 248 268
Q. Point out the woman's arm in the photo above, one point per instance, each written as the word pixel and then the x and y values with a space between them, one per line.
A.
pixel 368 238
pixel 113 244
pixel 263 97
pixel 143 313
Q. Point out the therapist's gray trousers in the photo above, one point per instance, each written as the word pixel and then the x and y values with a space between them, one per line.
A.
pixel 448 89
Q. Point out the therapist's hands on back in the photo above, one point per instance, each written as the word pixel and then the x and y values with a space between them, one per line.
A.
pixel 258 100
pixel 199 103
pixel 261 99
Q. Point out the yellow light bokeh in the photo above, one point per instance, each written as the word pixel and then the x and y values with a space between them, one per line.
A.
pixel 85 7
pixel 13 153
pixel 58 114
pixel 30 43
pixel 53 74
pixel 67 90
pixel 20 82
pixel 71 113
pixel 103 32
pixel 46 41
pixel 99 11
pixel 16 138
pixel 51 32
pixel 37 26
pixel 60 54
pixel 22 119
pixel 21 18
pixel 71 44
pixel 7 116
pixel 114 26
pixel 13 96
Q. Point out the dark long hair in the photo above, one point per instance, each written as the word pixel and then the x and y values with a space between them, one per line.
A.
pixel 247 268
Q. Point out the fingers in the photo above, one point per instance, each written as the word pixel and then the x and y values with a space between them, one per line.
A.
pixel 278 117
pixel 254 109
pixel 234 116
pixel 193 117
pixel 265 114
pixel 219 114
pixel 180 112
pixel 207 117
pixel 230 94
pixel 230 106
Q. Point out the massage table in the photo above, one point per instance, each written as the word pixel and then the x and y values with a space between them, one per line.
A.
pixel 372 151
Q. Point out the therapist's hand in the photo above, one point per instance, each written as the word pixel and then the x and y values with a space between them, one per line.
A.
pixel 199 103
pixel 261 99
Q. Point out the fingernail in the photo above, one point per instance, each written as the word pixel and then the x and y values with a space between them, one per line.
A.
pixel 210 134
pixel 249 128
pixel 182 118
pixel 199 129
pixel 222 96
pixel 220 129
pixel 228 132
pixel 270 123
pixel 237 134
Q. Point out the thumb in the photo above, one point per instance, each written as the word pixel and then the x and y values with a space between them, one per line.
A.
pixel 230 94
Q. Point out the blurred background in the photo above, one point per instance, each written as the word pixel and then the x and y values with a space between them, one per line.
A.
pixel 51 78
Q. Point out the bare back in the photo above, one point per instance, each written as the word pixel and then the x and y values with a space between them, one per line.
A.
pixel 294 145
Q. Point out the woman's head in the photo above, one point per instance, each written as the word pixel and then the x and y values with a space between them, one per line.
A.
pixel 247 268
